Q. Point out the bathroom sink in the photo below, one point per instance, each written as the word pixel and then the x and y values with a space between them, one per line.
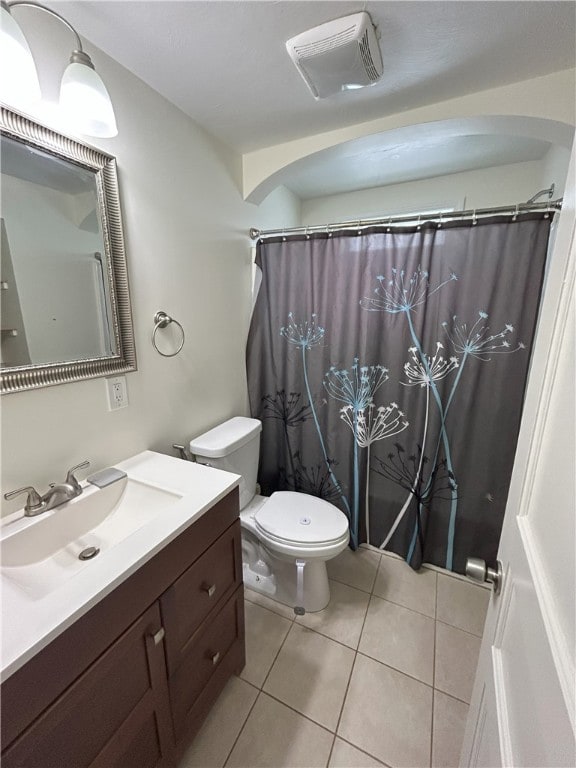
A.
pixel 41 553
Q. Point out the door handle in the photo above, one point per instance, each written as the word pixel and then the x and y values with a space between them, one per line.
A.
pixel 478 570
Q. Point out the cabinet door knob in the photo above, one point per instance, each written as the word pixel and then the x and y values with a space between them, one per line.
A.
pixel 158 636
pixel 216 658
pixel 209 589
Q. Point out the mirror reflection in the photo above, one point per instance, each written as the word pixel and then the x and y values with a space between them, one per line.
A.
pixel 56 304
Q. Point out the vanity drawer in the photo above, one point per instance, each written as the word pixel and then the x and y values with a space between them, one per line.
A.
pixel 206 584
pixel 116 712
pixel 203 656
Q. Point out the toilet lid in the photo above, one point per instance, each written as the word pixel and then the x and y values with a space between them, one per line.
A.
pixel 292 516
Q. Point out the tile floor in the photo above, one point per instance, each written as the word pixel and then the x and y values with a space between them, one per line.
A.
pixel 383 676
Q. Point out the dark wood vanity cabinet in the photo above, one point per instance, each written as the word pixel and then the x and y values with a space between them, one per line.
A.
pixel 129 684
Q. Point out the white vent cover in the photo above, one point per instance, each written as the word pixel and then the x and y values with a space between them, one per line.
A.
pixel 338 56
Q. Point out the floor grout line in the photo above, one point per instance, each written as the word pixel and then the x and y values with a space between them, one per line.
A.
pixel 297 712
pixel 266 608
pixel 368 754
pixel 352 586
pixel 350 675
pixel 275 658
pixel 401 605
pixel 328 637
pixel 434 675
pixel 346 693
pixel 331 750
pixel 395 669
pixel 225 763
pixel 453 626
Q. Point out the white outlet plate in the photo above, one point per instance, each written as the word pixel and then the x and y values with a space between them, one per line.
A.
pixel 117 392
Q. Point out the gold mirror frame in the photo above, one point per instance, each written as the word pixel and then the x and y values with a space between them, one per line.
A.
pixel 18 378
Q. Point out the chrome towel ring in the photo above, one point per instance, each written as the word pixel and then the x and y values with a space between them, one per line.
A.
pixel 162 320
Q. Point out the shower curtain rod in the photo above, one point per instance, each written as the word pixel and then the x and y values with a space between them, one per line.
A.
pixel 470 214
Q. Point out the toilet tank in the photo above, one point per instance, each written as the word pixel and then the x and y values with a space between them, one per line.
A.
pixel 233 446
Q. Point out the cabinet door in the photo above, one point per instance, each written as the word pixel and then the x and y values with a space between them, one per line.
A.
pixel 207 583
pixel 116 714
pixel 217 646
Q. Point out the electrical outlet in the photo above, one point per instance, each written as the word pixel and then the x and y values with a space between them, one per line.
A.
pixel 117 392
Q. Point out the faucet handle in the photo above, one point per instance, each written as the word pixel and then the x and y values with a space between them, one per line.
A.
pixel 34 502
pixel 71 480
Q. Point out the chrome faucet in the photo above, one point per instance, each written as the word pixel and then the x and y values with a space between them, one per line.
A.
pixel 56 495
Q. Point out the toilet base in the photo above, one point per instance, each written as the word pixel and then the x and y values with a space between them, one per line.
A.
pixel 275 577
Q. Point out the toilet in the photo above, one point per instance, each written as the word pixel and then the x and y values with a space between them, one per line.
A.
pixel 287 537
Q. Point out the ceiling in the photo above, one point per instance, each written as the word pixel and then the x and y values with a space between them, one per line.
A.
pixel 224 63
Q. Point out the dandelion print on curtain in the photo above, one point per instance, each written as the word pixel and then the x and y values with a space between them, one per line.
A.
pixel 389 368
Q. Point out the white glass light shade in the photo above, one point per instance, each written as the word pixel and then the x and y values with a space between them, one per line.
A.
pixel 19 84
pixel 86 103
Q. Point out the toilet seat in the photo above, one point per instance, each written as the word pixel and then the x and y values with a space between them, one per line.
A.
pixel 301 525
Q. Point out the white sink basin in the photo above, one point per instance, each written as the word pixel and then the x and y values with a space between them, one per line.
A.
pixel 40 553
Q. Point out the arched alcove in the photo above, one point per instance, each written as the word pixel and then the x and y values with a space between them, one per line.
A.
pixel 419 152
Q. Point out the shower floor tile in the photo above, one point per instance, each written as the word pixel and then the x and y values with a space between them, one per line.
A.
pixel 382 676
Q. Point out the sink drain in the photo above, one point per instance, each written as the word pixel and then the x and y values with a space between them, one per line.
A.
pixel 88 553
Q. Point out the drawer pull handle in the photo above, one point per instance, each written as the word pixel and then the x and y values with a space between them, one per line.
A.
pixel 209 589
pixel 216 658
pixel 159 636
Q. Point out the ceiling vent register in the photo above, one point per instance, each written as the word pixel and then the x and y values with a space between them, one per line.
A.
pixel 338 56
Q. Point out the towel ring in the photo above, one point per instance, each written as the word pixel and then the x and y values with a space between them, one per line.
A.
pixel 162 320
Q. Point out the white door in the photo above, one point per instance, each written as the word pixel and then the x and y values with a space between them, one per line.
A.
pixel 523 707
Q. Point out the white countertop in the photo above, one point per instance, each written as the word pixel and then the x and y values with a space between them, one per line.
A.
pixel 30 622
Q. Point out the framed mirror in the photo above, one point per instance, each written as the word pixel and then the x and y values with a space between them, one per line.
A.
pixel 64 296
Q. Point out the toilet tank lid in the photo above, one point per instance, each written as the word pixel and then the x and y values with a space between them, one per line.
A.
pixel 226 437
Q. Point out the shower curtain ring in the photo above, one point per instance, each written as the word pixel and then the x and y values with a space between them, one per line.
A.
pixel 306 233
pixel 419 226
pixel 440 222
pixel 474 219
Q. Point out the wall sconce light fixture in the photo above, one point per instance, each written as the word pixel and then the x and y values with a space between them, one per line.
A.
pixel 83 96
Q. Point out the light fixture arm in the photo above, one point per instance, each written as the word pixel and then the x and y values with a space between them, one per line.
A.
pixel 13 3
pixel 84 99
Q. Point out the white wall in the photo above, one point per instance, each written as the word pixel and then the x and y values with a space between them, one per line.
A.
pixel 482 188
pixel 554 169
pixel 188 254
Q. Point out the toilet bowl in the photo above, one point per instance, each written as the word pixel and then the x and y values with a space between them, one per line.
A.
pixel 287 537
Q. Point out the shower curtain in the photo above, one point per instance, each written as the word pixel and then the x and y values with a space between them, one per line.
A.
pixel 388 368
